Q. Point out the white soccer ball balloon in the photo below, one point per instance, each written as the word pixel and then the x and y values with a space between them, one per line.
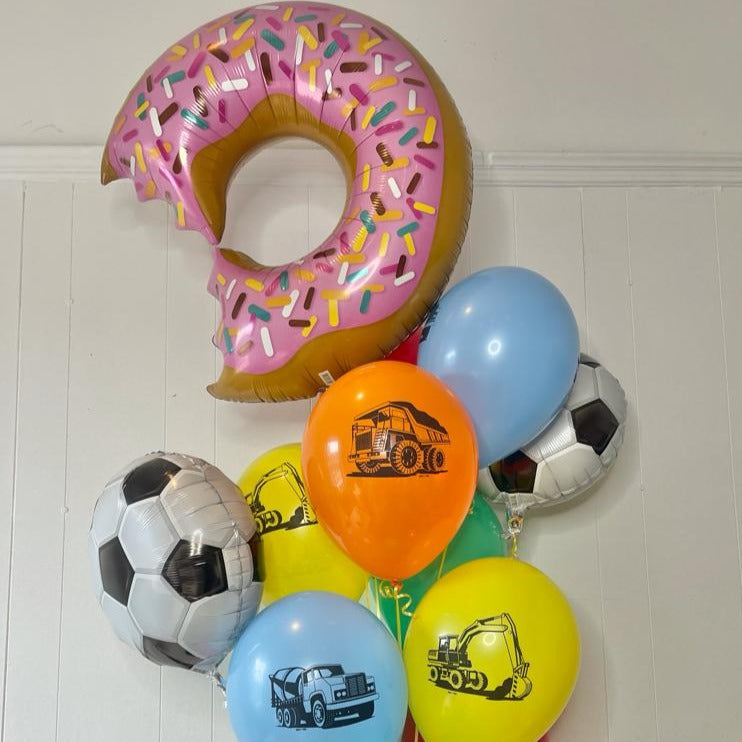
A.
pixel 172 547
pixel 573 453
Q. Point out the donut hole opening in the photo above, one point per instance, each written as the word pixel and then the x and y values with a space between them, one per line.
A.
pixel 284 201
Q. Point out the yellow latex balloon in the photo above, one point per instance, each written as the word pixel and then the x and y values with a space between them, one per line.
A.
pixel 295 551
pixel 492 654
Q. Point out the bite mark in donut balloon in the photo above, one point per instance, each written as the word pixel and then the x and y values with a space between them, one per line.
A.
pixel 350 83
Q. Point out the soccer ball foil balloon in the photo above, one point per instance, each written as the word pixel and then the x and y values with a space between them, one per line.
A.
pixel 172 547
pixel 573 453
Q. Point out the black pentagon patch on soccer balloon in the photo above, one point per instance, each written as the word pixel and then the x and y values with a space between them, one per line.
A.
pixel 168 653
pixel 258 566
pixel 595 425
pixel 586 360
pixel 115 571
pixel 515 473
pixel 196 570
pixel 148 480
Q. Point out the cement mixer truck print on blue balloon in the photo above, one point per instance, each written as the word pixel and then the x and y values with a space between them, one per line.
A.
pixel 321 696
pixel 317 664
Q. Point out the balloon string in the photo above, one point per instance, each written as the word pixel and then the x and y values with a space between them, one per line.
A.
pixel 402 602
pixel 403 599
pixel 514 547
pixel 443 561
pixel 218 680
pixel 399 621
pixel 515 527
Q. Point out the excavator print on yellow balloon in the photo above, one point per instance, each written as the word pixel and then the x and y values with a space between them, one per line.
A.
pixel 505 676
pixel 283 515
pixel 398 440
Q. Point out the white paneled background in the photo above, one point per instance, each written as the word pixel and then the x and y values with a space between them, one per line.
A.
pixel 105 328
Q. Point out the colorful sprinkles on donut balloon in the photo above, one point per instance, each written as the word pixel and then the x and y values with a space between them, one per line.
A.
pixel 343 79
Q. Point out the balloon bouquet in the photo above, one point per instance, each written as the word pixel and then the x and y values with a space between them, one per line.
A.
pixel 484 401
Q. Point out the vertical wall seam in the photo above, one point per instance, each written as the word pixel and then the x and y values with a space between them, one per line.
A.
pixel 584 269
pixel 641 465
pixel 159 714
pixel 309 216
pixel 66 458
pixel 601 581
pixel 603 644
pixel 726 388
pixel 13 497
pixel 468 244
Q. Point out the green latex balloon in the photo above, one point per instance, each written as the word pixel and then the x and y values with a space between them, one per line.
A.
pixel 480 536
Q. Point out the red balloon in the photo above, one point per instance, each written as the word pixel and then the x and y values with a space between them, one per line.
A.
pixel 407 351
pixel 411 733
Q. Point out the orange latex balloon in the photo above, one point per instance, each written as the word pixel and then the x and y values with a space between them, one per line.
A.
pixel 390 461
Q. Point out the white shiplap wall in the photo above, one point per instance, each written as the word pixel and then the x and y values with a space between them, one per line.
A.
pixel 104 330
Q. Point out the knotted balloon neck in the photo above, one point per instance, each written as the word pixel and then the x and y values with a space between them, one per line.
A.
pixel 394 590
pixel 218 680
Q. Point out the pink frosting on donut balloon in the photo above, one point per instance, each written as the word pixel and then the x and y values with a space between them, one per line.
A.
pixel 353 80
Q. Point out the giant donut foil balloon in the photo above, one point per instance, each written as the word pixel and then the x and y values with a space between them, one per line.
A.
pixel 344 80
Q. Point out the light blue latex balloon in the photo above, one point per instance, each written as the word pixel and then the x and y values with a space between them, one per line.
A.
pixel 506 342
pixel 319 663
